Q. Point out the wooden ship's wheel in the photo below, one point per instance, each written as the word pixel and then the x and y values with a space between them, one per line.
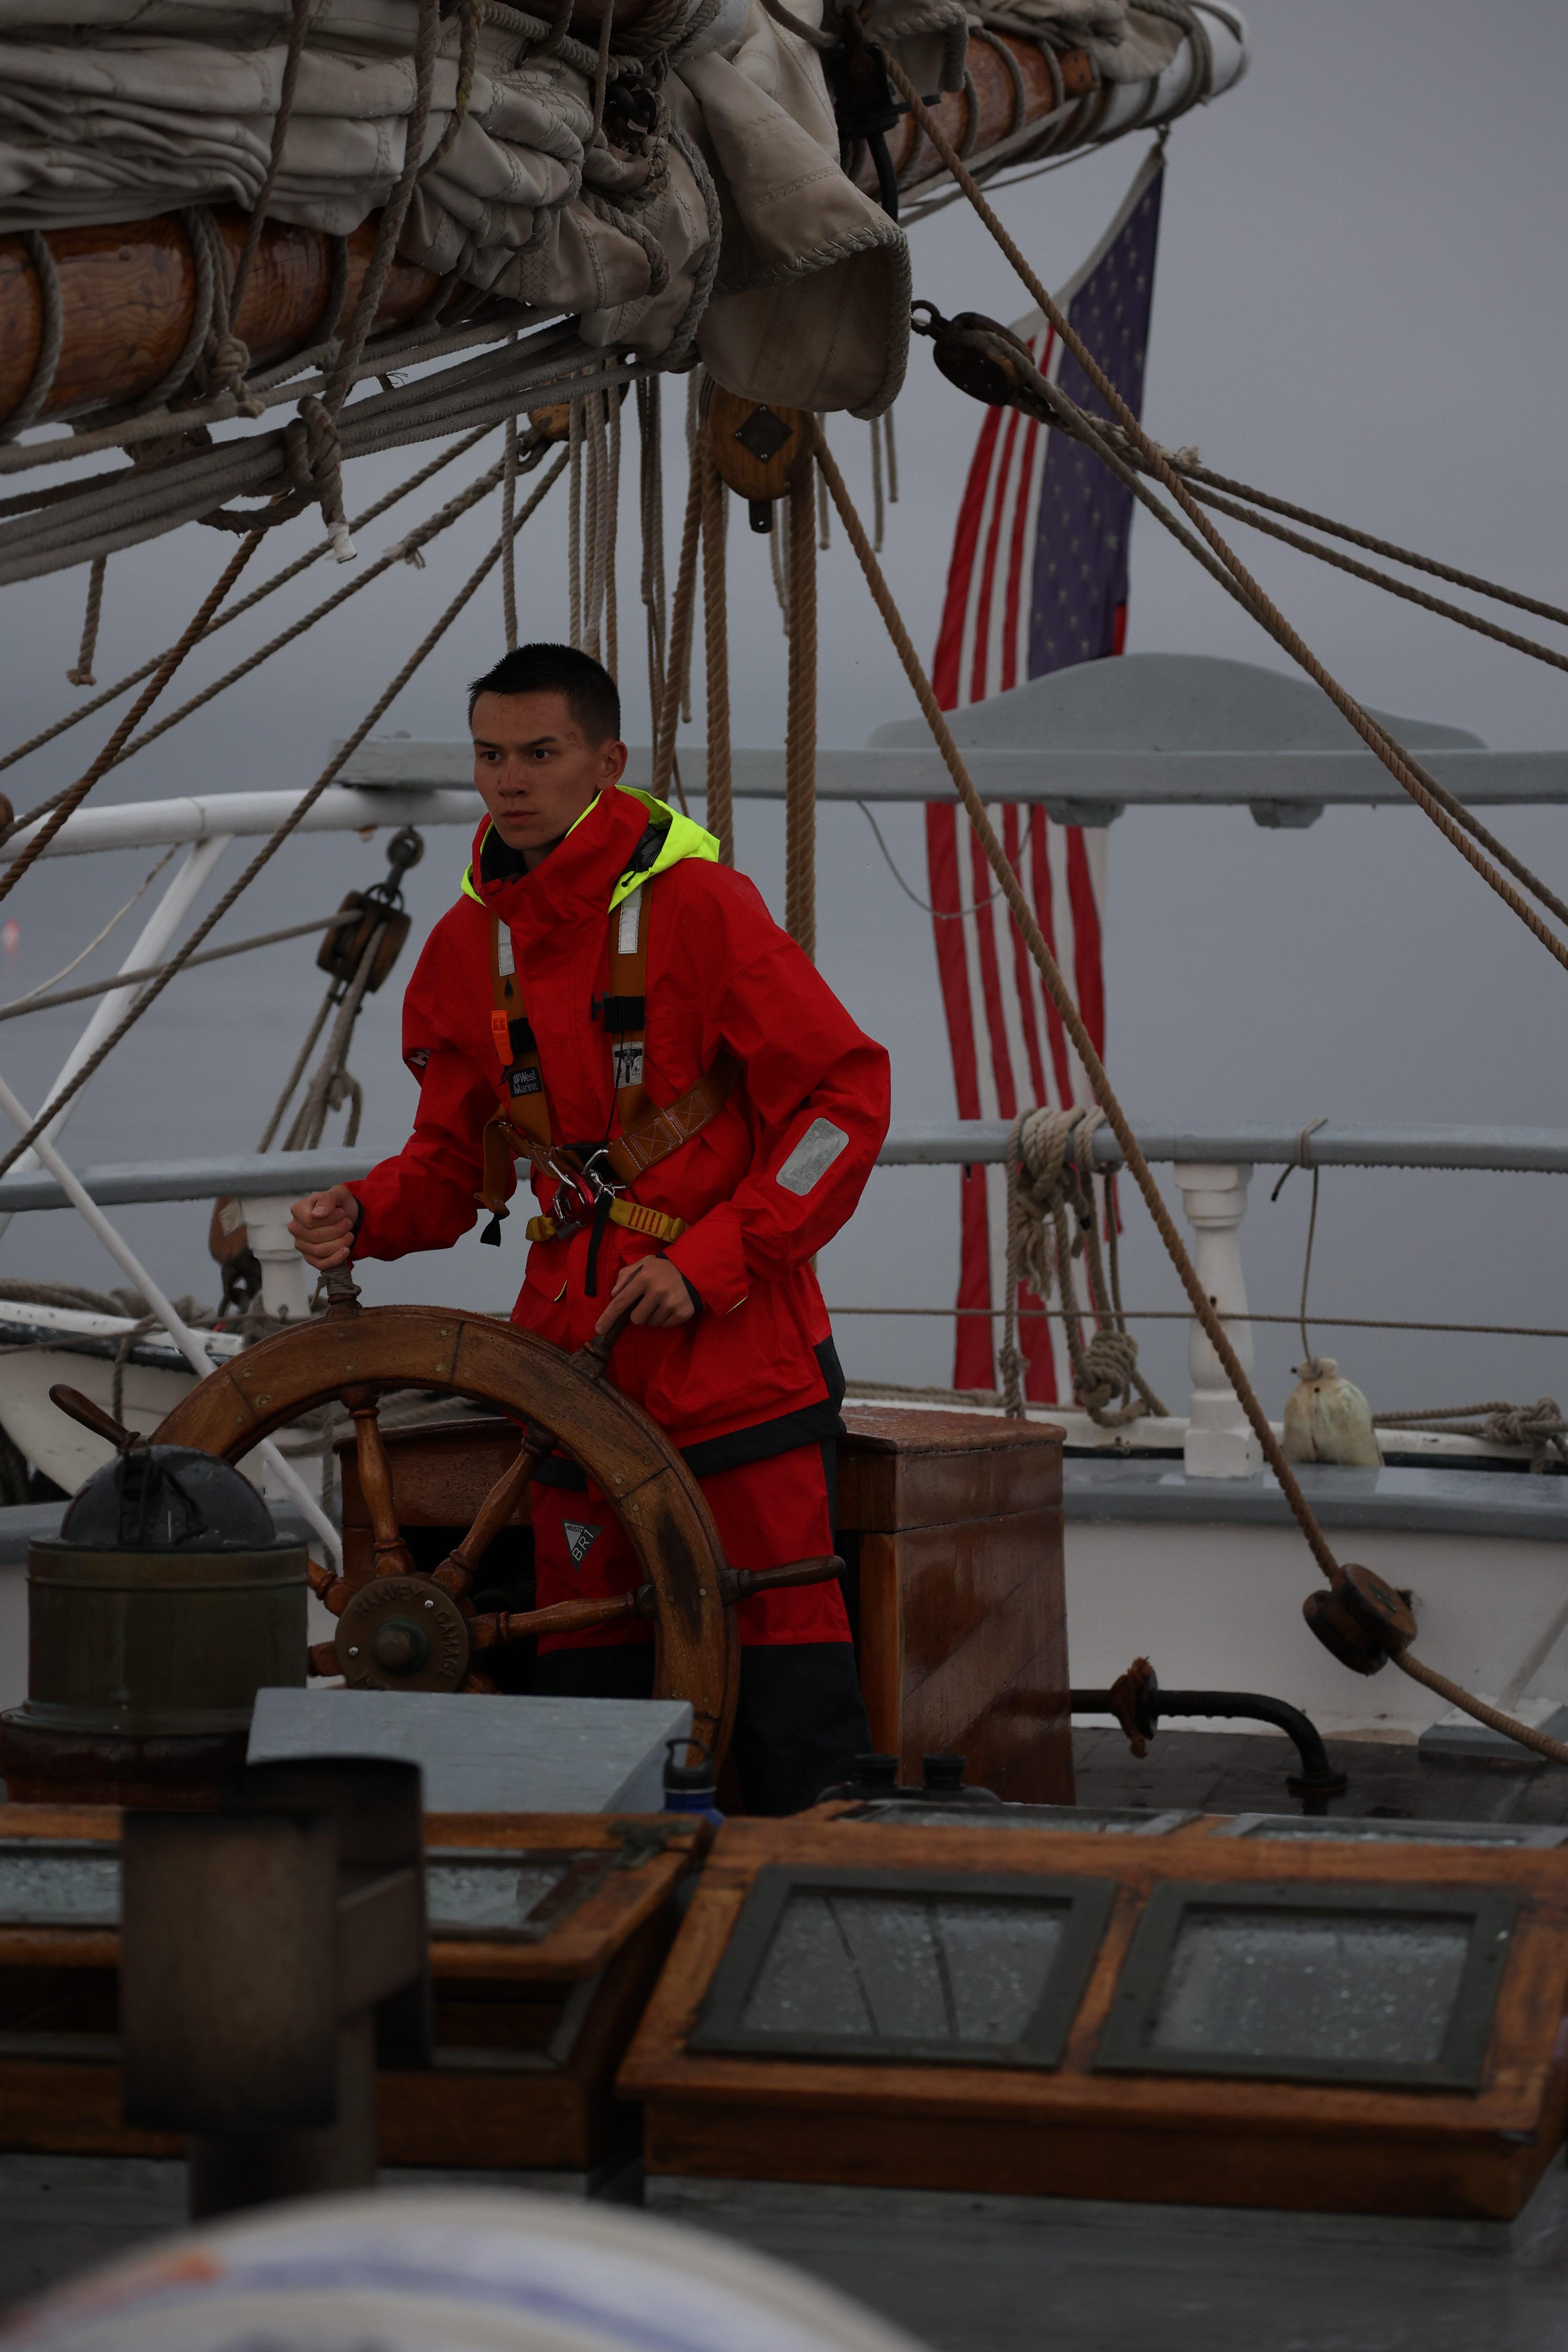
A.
pixel 401 1630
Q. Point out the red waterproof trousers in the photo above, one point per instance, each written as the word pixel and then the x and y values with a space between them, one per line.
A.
pixel 767 1514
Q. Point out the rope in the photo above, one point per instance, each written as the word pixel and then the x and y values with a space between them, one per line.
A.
pixel 1225 561
pixel 938 914
pixel 650 491
pixel 679 631
pixel 1194 472
pixel 612 529
pixel 1183 1314
pixel 720 815
pixel 1072 1020
pixel 407 550
pixel 574 524
pixel 31 998
pixel 1457 1695
pixel 275 840
pixel 395 212
pixel 800 725
pixel 299 25
pixel 508 525
pixel 470 13
pixel 73 798
pixel 50 333
pixel 1047 1175
pixel 83 674
pixel 327 1089
pixel 231 612
pixel 39 1002
pixel 1541 1426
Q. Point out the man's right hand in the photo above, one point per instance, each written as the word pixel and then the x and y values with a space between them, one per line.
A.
pixel 321 1226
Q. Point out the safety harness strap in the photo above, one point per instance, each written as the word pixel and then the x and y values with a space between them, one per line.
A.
pixel 522 1128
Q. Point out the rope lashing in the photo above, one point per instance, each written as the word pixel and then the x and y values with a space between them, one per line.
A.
pixel 1050 1180
pixel 83 674
pixel 51 334
pixel 314 454
pixel 1539 1426
pixel 275 840
pixel 1215 555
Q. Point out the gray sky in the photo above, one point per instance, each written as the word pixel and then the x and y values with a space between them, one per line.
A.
pixel 1360 305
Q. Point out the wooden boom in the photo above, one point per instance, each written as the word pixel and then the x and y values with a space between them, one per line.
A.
pixel 128 293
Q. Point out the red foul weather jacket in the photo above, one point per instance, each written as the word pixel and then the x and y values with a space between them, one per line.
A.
pixel 764 1185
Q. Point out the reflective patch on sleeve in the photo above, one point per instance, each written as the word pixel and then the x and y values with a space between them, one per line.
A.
pixel 417 1057
pixel 813 1156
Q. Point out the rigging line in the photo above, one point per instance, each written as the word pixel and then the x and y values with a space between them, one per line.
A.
pixel 74 796
pixel 155 971
pixel 300 25
pixel 1400 765
pixel 1184 1315
pixel 395 212
pixel 402 551
pixel 1447 811
pixel 1061 995
pixel 35 997
pixel 1194 472
pixel 275 840
pixel 957 913
pixel 1385 580
pixel 312 554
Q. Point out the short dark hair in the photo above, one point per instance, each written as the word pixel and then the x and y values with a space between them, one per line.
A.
pixel 586 688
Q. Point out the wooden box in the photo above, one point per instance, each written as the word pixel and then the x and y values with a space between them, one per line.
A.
pixel 1101 2113
pixel 530 2024
pixel 955 1522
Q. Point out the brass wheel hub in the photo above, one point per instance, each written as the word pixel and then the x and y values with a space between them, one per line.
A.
pixel 403 1633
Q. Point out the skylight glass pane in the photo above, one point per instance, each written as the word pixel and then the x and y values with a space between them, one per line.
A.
pixel 905 1967
pixel 1279 1984
pixel 477 1892
pixel 71 1887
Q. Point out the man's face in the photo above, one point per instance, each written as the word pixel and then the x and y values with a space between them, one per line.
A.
pixel 535 770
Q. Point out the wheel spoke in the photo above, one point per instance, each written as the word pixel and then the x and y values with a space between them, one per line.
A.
pixel 561 1617
pixel 456 1572
pixel 324 1658
pixel 474 1681
pixel 393 1557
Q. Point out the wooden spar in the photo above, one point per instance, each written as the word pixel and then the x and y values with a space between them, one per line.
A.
pixel 987 111
pixel 128 294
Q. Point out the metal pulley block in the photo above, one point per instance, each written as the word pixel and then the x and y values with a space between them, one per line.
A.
pixel 757 448
pixel 1362 1621
pixel 379 908
pixel 403 1633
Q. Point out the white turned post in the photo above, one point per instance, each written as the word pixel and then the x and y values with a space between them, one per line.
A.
pixel 1219 1442
pixel 286 1283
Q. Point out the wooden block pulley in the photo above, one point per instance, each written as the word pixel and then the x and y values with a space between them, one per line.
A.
pixel 758 449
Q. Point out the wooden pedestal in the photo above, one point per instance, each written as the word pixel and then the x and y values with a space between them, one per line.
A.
pixel 956 1518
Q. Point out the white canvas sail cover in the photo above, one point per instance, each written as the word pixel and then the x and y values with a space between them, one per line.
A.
pixel 119 109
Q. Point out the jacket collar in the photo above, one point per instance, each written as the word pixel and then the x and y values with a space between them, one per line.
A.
pixel 588 873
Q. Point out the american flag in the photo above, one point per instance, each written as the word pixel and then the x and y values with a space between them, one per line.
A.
pixel 1038 582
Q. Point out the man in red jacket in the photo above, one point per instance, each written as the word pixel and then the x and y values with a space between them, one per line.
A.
pixel 611 1005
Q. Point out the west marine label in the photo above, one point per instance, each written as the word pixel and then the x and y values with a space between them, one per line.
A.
pixel 523 1082
pixel 580 1539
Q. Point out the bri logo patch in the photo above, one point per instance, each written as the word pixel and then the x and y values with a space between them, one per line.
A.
pixel 523 1082
pixel 580 1539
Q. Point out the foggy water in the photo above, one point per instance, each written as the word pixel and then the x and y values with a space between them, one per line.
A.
pixel 1340 236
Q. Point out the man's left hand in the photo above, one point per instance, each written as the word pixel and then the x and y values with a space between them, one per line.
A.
pixel 655 1291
